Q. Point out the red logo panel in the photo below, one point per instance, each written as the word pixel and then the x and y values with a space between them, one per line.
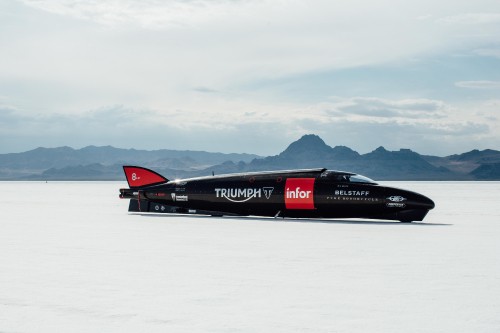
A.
pixel 137 176
pixel 299 193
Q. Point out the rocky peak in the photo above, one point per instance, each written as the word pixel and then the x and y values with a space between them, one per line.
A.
pixel 309 144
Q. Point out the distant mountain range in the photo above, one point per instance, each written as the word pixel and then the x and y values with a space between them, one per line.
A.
pixel 310 151
pixel 104 163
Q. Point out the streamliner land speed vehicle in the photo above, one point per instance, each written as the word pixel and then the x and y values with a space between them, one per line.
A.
pixel 304 193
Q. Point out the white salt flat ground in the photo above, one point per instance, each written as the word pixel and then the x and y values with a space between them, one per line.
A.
pixel 73 260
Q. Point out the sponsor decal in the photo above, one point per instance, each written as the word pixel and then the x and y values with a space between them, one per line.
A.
pixel 179 198
pixel 396 201
pixel 352 193
pixel 160 207
pixel 243 194
pixel 396 198
pixel 299 193
pixel 350 199
pixel 395 205
pixel 268 191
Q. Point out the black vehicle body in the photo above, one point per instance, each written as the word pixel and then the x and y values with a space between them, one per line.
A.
pixel 306 193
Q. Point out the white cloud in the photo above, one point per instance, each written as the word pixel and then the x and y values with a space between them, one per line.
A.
pixel 471 18
pixel 484 84
pixel 180 67
pixel 148 14
pixel 385 108
pixel 489 52
pixel 219 41
pixel 215 40
pixel 428 126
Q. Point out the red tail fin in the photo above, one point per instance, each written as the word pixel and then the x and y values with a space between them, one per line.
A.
pixel 139 177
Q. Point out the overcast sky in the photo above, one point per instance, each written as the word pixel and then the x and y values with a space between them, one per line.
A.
pixel 250 75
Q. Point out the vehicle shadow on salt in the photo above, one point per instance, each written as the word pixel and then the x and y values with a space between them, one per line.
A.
pixel 296 220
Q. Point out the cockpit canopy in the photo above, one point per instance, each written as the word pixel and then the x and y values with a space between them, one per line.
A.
pixel 347 177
